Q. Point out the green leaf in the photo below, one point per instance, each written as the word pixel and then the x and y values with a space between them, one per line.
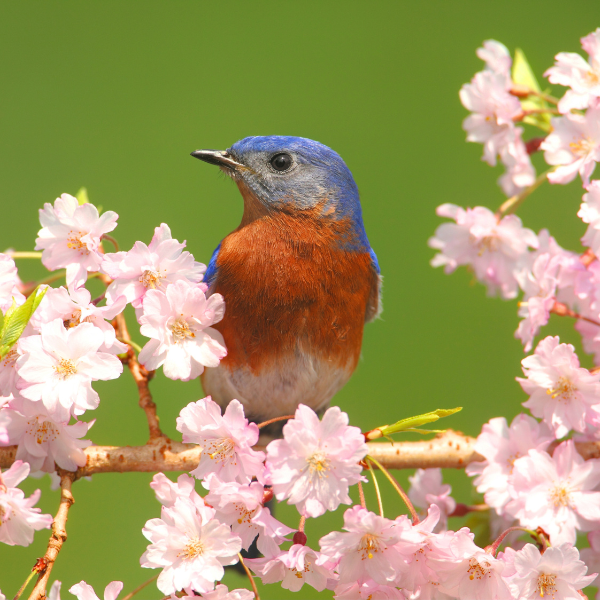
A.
pixel 523 75
pixel 414 423
pixel 82 196
pixel 16 318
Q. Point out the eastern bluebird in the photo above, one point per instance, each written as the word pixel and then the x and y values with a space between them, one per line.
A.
pixel 298 276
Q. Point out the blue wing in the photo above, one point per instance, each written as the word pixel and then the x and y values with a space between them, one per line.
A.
pixel 211 271
pixel 375 306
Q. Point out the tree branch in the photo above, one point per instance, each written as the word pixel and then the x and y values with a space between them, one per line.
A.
pixel 59 534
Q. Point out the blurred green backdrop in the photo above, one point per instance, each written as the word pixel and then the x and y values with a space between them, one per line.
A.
pixel 114 95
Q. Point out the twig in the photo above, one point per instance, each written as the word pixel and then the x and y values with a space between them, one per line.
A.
pixel 398 488
pixel 141 377
pixel 361 495
pixel 250 577
pixel 139 588
pixel 59 534
pixel 513 203
pixel 376 484
pixel 275 420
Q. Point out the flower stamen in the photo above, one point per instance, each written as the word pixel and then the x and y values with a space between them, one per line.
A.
pixel 65 368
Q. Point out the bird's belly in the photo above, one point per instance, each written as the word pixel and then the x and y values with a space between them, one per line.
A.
pixel 296 378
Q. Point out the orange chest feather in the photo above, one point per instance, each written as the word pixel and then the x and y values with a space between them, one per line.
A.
pixel 288 289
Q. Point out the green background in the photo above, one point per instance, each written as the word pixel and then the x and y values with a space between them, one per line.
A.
pixel 114 95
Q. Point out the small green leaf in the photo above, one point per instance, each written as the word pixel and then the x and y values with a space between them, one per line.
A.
pixel 16 318
pixel 82 196
pixel 414 423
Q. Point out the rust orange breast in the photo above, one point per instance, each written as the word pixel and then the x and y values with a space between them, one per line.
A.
pixel 289 289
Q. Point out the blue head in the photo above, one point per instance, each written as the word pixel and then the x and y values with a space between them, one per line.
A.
pixel 292 174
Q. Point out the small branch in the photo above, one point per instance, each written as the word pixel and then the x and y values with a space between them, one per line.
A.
pixel 398 488
pixel 250 577
pixel 361 495
pixel 376 484
pixel 275 420
pixel 141 587
pixel 59 534
pixel 511 205
pixel 141 377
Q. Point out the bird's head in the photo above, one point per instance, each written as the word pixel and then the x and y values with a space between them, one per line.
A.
pixel 291 175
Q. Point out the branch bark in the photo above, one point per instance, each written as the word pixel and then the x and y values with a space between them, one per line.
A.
pixel 59 534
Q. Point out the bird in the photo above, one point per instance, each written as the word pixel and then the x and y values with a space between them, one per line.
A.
pixel 298 276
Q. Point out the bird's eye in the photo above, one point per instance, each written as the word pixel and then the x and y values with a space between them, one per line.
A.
pixel 281 162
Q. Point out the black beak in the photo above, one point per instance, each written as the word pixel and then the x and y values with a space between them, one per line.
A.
pixel 221 158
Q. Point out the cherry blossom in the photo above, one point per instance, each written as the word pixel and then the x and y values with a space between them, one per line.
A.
pixel 226 440
pixel 8 371
pixel 54 593
pixel 74 307
pixel 150 267
pixel 317 461
pixel 9 282
pixel 582 77
pixel 539 286
pixel 590 213
pixel 367 549
pixel 556 492
pixel 41 440
pixel 167 492
pixel 591 555
pixel 84 591
pixel 561 392
pixel 493 110
pixel 426 488
pixel 501 446
pixel 190 545
pixel 369 590
pixel 58 367
pixel 520 172
pixel 573 146
pixel 557 573
pixel 240 506
pixel 293 567
pixel 71 235
pixel 497 250
pixel 496 57
pixel 221 592
pixel 18 518
pixel 179 322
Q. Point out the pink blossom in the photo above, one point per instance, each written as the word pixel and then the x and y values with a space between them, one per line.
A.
pixel 591 555
pixel 496 56
pixel 41 440
pixel 493 110
pixel 573 146
pixel 150 267
pixel 317 461
pixel 495 249
pixel 190 545
pixel 221 592
pixel 426 489
pixel 556 574
pixel 561 392
pixel 73 307
pixel 167 492
pixel 590 213
pixel 9 282
pixel 18 518
pixel 178 321
pixel 226 440
pixel 369 590
pixel 520 172
pixel 70 237
pixel 293 567
pixel 84 591
pixel 240 505
pixel 539 286
pixel 368 549
pixel 58 367
pixel 555 492
pixel 501 446
pixel 582 77
pixel 54 593
pixel 8 371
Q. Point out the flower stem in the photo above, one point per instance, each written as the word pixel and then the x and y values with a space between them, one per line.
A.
pixel 265 423
pixel 131 343
pixel 511 205
pixel 562 310
pixel 398 488
pixel 112 240
pixel 141 587
pixel 361 495
pixel 493 549
pixel 536 111
pixel 29 578
pixel 256 596
pixel 25 254
pixel 376 484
